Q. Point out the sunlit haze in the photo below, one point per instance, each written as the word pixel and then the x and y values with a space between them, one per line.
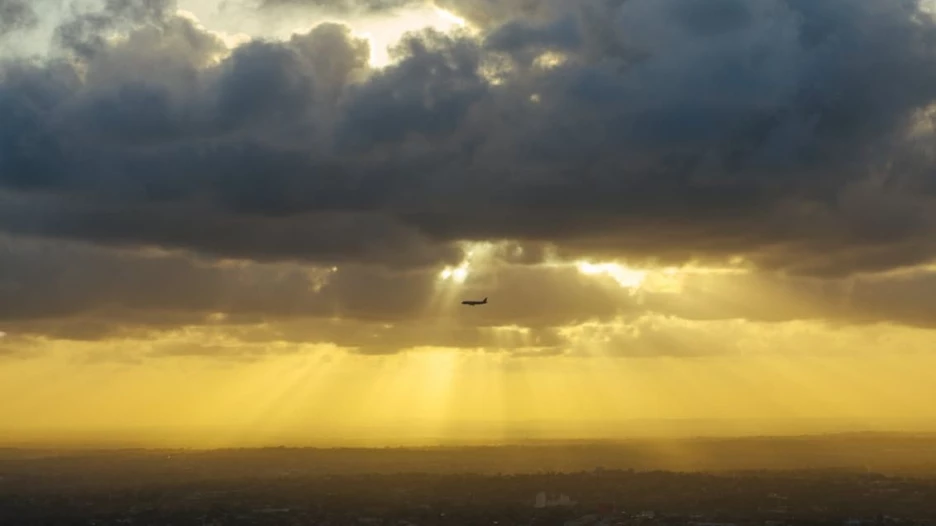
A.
pixel 254 222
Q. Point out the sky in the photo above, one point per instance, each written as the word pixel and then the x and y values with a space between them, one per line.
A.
pixel 232 222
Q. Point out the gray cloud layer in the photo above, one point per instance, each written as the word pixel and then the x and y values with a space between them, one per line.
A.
pixel 15 15
pixel 81 292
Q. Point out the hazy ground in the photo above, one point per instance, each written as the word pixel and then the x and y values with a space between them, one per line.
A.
pixel 798 481
pixel 880 453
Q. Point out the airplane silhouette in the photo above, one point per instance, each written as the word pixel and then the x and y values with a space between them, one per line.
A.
pixel 472 303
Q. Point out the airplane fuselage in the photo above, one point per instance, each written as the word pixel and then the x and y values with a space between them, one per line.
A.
pixel 472 303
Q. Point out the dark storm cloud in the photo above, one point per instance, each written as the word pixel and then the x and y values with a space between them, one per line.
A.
pixel 785 131
pixel 16 14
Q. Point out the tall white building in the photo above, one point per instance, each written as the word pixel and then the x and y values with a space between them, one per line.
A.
pixel 543 501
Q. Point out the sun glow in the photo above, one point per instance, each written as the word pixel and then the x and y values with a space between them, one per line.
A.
pixel 625 277
pixel 457 274
pixel 383 32
pixel 477 256
pixel 421 396
pixel 450 17
pixel 550 60
pixel 231 40
pixel 669 280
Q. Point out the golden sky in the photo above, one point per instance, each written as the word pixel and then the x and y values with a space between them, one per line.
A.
pixel 253 222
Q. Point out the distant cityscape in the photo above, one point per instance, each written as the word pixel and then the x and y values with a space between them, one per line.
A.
pixel 457 486
pixel 591 498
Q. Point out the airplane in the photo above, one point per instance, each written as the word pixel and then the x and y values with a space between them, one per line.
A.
pixel 472 303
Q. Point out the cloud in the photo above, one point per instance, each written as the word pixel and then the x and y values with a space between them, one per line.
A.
pixel 150 154
pixel 342 6
pixel 174 303
pixel 79 291
pixel 668 130
pixel 15 15
pixel 484 13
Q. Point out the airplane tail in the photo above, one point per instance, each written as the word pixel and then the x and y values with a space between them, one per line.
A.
pixel 485 299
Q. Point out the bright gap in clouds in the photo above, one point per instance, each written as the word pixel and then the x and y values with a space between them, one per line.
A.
pixel 928 6
pixel 476 256
pixel 457 274
pixel 384 31
pixel 625 277
pixel 381 30
pixel 481 258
